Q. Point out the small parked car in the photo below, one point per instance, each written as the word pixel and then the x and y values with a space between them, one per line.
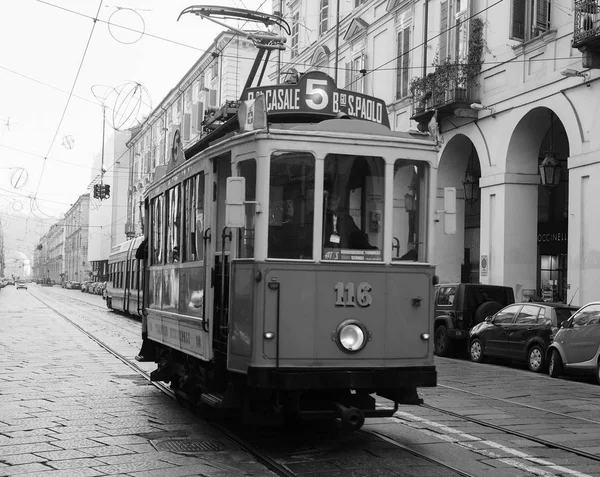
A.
pixel 21 284
pixel 521 332
pixel 576 345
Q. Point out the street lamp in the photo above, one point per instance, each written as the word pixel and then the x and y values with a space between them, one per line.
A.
pixel 471 181
pixel 550 168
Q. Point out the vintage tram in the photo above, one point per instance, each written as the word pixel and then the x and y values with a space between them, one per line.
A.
pixel 124 291
pixel 288 259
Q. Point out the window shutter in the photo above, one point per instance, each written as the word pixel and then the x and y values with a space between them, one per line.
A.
pixel 517 31
pixel 542 19
pixel 212 97
pixel 399 65
pixel 348 74
pixel 187 126
pixel 405 61
pixel 443 31
pixel 199 115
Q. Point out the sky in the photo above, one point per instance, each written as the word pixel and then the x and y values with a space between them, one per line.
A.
pixel 57 67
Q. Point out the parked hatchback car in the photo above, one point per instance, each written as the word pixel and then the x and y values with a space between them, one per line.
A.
pixel 576 345
pixel 460 306
pixel 21 284
pixel 521 332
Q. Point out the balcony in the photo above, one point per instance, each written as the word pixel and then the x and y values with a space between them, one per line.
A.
pixel 586 31
pixel 447 98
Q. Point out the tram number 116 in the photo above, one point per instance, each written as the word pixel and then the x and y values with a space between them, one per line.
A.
pixel 347 294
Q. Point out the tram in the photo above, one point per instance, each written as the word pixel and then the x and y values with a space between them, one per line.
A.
pixel 124 289
pixel 287 269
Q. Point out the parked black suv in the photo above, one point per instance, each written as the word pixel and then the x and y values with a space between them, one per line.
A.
pixel 460 306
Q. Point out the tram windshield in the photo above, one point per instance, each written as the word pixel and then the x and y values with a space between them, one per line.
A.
pixel 353 205
pixel 291 205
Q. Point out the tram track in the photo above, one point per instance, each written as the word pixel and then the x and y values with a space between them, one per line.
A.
pixel 505 430
pixel 262 456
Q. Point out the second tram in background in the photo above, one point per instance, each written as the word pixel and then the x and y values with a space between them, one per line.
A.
pixel 124 288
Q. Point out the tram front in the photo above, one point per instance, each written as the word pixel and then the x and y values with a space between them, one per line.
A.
pixel 337 304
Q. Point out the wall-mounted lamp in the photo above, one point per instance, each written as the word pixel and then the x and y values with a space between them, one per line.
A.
pixel 571 73
pixel 481 107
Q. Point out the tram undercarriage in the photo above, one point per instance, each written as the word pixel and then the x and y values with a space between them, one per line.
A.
pixel 268 396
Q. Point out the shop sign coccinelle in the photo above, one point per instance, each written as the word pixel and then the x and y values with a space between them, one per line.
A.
pixel 316 93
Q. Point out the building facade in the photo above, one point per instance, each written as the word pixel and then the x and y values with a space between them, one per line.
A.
pixel 216 79
pixel 108 216
pixel 510 101
pixel 76 224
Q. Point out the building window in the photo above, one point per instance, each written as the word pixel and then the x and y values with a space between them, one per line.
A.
pixel 295 26
pixel 358 3
pixel 354 74
pixel 403 63
pixel 530 18
pixel 324 17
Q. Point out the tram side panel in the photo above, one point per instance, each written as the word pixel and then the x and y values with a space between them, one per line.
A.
pixel 175 312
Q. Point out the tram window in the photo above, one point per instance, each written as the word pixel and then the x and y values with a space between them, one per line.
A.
pixel 193 226
pixel 157 226
pixel 173 225
pixel 247 169
pixel 291 205
pixel 353 204
pixel 409 192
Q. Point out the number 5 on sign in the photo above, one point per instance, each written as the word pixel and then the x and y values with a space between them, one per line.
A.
pixel 347 294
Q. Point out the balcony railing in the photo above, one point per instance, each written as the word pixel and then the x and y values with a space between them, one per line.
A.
pixel 443 97
pixel 586 31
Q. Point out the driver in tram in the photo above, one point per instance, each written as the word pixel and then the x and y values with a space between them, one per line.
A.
pixel 339 229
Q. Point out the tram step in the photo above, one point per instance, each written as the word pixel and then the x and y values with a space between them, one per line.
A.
pixel 214 400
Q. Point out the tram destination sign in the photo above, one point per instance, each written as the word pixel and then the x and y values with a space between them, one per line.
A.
pixel 316 93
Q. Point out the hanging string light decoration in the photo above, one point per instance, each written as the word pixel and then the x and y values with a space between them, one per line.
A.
pixel 127 103
pixel 126 25
pixel 68 142
pixel 18 177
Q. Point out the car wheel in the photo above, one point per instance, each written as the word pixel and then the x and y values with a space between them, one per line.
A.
pixel 476 351
pixel 535 359
pixel 555 367
pixel 598 371
pixel 441 341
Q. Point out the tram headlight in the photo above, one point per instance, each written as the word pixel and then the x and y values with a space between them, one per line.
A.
pixel 351 336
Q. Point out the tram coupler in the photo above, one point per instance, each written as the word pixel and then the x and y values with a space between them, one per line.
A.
pixel 352 418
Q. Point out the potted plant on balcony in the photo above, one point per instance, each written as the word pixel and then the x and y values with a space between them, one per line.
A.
pixel 449 80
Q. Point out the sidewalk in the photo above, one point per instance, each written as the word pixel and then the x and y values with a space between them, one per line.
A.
pixel 69 408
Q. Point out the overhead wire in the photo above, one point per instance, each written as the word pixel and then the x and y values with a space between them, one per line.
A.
pixel 69 97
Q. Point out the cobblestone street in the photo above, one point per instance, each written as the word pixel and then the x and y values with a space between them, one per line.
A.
pixel 69 408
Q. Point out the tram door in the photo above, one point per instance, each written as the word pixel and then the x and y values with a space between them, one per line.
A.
pixel 220 246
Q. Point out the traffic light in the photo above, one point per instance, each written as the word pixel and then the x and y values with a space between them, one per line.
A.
pixel 96 191
pixel 106 191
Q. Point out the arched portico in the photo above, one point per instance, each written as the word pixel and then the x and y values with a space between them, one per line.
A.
pixel 457 255
pixel 515 206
